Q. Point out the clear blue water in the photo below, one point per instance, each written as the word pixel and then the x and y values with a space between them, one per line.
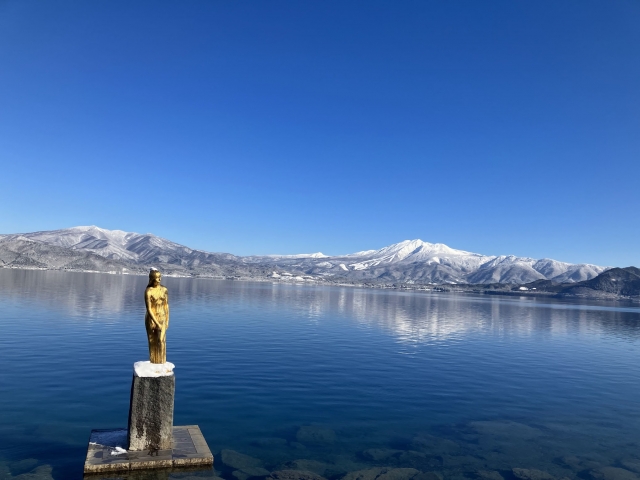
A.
pixel 450 383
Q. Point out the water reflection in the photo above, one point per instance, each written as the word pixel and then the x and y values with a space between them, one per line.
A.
pixel 77 294
pixel 413 317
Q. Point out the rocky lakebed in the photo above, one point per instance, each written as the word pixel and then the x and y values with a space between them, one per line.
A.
pixel 483 450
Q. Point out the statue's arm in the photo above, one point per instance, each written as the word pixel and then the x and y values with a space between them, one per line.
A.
pixel 147 303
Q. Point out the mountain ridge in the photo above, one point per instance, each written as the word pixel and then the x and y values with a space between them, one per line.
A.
pixel 416 260
pixel 409 261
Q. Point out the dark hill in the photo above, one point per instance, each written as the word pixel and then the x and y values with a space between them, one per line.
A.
pixel 616 281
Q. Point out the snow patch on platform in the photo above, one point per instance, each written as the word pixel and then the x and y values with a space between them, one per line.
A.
pixel 148 369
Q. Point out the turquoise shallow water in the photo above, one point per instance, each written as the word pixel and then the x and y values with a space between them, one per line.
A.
pixel 324 379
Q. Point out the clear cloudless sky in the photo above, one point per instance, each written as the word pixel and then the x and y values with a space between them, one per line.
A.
pixel 254 127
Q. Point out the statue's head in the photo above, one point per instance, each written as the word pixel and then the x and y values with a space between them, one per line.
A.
pixel 154 277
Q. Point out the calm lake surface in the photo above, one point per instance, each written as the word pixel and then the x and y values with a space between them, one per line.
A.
pixel 325 379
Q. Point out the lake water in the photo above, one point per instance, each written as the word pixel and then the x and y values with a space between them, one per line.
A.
pixel 326 379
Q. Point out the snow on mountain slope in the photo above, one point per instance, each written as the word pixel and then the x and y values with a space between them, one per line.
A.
pixel 131 251
pixel 415 260
pixel 114 244
pixel 579 273
pixel 506 269
pixel 127 246
pixel 270 258
pixel 411 251
pixel 414 249
pixel 17 251
pixel 407 261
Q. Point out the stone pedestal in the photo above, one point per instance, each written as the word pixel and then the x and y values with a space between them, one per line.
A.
pixel 152 440
pixel 105 452
pixel 151 407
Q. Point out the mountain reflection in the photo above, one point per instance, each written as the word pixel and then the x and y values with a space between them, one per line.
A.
pixel 78 294
pixel 410 316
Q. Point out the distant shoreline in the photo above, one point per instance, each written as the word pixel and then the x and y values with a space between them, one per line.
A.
pixel 492 289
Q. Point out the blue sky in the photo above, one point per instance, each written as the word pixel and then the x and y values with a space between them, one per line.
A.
pixel 497 127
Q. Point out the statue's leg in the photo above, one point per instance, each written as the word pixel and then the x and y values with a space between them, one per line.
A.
pixel 155 347
pixel 151 339
pixel 163 351
pixel 162 345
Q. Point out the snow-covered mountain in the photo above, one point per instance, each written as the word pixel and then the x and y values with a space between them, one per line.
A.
pixel 124 250
pixel 422 262
pixel 126 246
pixel 114 244
pixel 411 261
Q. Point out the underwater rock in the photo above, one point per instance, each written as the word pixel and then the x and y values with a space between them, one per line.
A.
pixel 418 460
pixel 270 442
pixel 306 465
pixel 495 460
pixel 631 464
pixel 249 472
pixel 385 473
pixel 367 474
pixel 23 466
pixel 342 464
pixel 507 429
pixel 238 461
pixel 432 444
pixel 398 474
pixel 315 435
pixel 190 477
pixel 489 475
pixel 428 476
pixel 467 462
pixel 256 471
pixel 578 464
pixel 43 472
pixel 612 473
pixel 240 475
pixel 295 475
pixel 571 461
pixel 531 474
pixel 379 454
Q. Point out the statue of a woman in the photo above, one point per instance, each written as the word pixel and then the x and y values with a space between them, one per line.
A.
pixel 156 299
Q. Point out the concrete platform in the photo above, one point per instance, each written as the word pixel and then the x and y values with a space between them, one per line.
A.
pixel 106 453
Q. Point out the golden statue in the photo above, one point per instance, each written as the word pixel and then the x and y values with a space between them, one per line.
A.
pixel 156 299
